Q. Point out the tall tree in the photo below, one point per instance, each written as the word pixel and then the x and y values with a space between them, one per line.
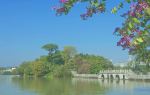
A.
pixel 68 53
pixel 52 49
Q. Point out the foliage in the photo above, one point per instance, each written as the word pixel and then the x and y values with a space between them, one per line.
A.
pixel 135 31
pixel 62 72
pixel 91 63
pixel 83 68
pixel 68 53
pixel 61 64
pixel 2 68
pixel 51 48
pixel 138 67
pixel 39 68
pixel 54 55
pixel 25 69
pixel 57 58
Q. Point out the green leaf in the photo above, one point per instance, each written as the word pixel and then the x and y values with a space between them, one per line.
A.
pixel 84 0
pixel 139 39
pixel 120 5
pixel 136 20
pixel 96 4
pixel 145 32
pixel 129 1
pixel 148 26
pixel 130 25
pixel 147 11
pixel 114 10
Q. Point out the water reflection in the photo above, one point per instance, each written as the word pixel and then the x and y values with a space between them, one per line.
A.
pixel 61 86
pixel 9 88
pixel 77 86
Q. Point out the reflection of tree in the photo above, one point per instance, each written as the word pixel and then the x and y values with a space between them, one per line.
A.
pixel 78 86
pixel 88 87
pixel 60 86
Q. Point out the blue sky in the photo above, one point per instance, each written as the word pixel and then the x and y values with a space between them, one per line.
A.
pixel 26 25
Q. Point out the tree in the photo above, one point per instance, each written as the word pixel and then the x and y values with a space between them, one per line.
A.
pixel 25 69
pixel 143 56
pixel 93 64
pixel 57 58
pixel 134 31
pixel 68 53
pixel 52 49
pixel 84 69
pixel 83 63
pixel 40 68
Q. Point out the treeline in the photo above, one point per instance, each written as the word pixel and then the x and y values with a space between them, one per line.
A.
pixel 7 71
pixel 1 70
pixel 60 63
pixel 138 67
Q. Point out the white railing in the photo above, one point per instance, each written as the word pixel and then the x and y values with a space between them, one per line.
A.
pixel 139 76
pixel 115 71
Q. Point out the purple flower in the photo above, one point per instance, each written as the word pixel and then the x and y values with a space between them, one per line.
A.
pixel 63 1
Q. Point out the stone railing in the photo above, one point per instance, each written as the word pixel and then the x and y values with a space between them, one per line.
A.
pixel 74 73
pixel 115 71
pixel 139 77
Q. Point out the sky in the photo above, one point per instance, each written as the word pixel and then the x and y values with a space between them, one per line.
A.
pixel 27 25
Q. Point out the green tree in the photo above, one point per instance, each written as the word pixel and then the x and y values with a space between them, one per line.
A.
pixel 92 63
pixel 39 68
pixel 68 53
pixel 84 69
pixel 25 69
pixel 61 71
pixel 52 49
pixel 57 58
pixel 83 63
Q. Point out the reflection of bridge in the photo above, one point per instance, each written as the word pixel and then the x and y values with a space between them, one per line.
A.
pixel 114 74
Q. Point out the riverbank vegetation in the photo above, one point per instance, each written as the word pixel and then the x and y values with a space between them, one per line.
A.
pixel 138 67
pixel 8 71
pixel 60 63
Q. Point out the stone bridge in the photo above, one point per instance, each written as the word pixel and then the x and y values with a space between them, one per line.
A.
pixel 115 74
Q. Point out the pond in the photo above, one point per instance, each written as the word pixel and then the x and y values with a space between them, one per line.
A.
pixel 13 85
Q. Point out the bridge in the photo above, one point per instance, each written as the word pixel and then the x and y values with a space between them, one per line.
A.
pixel 115 74
pixel 121 74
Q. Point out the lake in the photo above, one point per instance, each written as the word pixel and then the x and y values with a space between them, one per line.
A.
pixel 11 85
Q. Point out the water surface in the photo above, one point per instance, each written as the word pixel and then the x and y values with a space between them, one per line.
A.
pixel 11 85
